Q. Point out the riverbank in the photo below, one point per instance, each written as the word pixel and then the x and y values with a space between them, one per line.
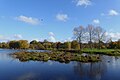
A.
pixel 64 57
pixel 109 52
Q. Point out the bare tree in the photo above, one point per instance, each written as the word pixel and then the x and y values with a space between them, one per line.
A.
pixel 100 35
pixel 91 34
pixel 79 34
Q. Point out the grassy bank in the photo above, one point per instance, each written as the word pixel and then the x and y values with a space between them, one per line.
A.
pixel 64 57
pixel 110 52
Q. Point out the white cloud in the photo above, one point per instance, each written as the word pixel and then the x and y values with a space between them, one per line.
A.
pixel 114 35
pixel 18 36
pixel 29 20
pixel 3 38
pixel 83 3
pixel 9 38
pixel 96 21
pixel 62 17
pixel 113 13
pixel 51 34
pixel 68 40
pixel 51 37
pixel 37 39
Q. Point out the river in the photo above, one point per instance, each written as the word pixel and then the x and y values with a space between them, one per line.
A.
pixel 13 69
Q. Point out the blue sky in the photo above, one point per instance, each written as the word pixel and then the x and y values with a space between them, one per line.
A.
pixel 55 19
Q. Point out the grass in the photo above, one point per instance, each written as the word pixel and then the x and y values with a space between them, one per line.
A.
pixel 67 55
pixel 98 50
pixel 109 52
pixel 63 57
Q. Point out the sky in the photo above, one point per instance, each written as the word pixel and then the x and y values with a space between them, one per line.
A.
pixel 55 20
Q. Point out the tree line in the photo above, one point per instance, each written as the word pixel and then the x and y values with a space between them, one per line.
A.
pixel 84 37
pixel 37 45
pixel 91 34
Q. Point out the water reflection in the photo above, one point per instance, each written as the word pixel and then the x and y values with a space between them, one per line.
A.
pixel 28 76
pixel 13 69
pixel 92 71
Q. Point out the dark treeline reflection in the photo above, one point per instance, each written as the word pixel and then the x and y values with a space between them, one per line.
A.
pixel 91 71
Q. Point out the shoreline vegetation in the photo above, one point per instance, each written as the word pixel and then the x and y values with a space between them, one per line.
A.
pixel 65 56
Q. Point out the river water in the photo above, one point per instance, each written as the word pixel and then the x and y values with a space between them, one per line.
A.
pixel 13 69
